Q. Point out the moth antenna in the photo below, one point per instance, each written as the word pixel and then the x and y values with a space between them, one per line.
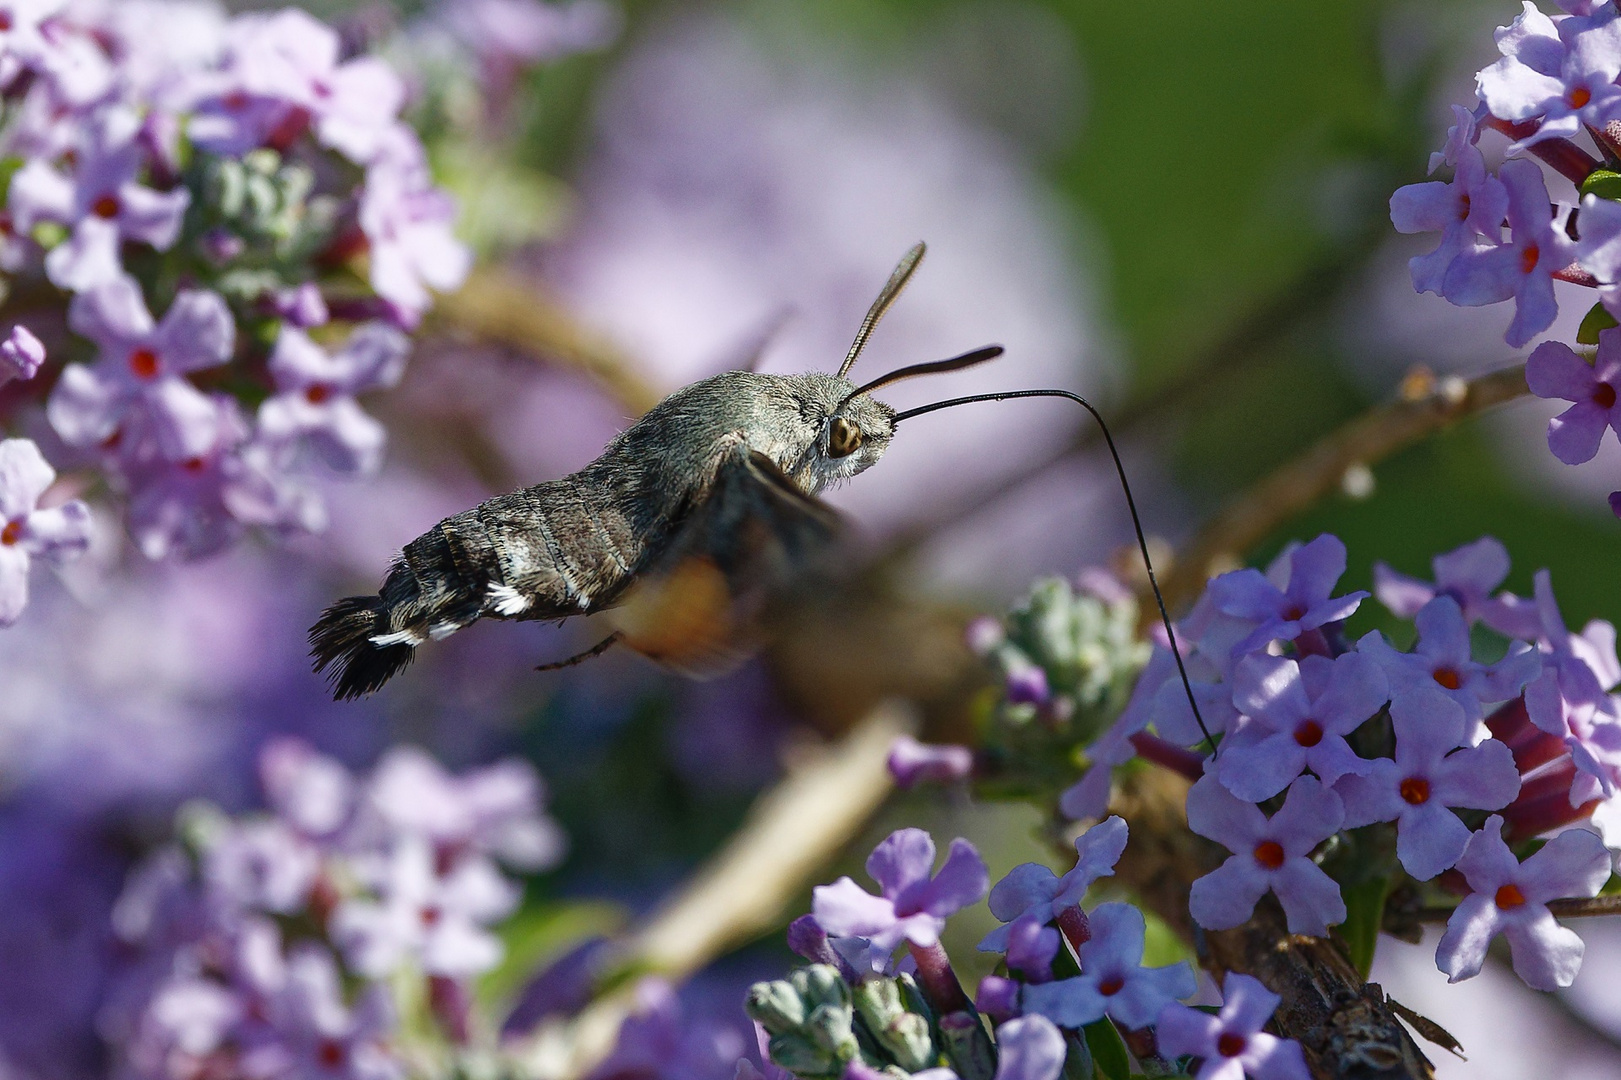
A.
pixel 933 367
pixel 1131 504
pixel 886 296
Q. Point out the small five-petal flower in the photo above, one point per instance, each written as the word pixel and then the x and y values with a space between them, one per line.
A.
pixel 913 906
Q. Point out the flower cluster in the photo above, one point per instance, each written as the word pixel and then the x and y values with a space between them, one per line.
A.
pixel 1073 979
pixel 209 197
pixel 1320 734
pixel 279 944
pixel 1554 86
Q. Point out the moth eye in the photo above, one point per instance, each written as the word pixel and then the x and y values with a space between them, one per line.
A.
pixel 843 438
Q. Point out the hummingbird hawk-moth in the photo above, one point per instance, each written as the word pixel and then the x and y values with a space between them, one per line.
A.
pixel 684 529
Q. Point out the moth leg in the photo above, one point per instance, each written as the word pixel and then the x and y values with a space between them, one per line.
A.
pixel 579 658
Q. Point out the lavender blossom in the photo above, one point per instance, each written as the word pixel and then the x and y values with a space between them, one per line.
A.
pixel 1467 212
pixel 1563 76
pixel 315 393
pixel 1031 889
pixel 1468 575
pixel 21 355
pixel 1429 775
pixel 407 225
pixel 1554 371
pixel 1511 897
pixel 1571 699
pixel 912 906
pixel 1232 1043
pixel 1297 715
pixel 311 1033
pixel 657 1040
pixel 1028 1048
pixel 1113 981
pixel 912 762
pixel 27 531
pixel 1031 948
pixel 1268 855
pixel 1303 604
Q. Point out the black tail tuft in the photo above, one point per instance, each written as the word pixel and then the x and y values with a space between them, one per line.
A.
pixel 341 639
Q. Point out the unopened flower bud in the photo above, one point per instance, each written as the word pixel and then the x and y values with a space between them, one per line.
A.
pixel 776 1005
pixel 967 1046
pixel 905 1035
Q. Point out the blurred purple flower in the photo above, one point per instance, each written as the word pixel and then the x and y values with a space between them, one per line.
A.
pixel 1563 74
pixel 1554 371
pixel 28 532
pixel 912 762
pixel 419 915
pixel 1426 778
pixel 913 906
pixel 1232 1042
pixel 310 792
pixel 1511 897
pixel 142 367
pixel 1571 699
pixel 1297 717
pixel 1113 981
pixel 1027 685
pixel 311 1034
pixel 1029 1048
pixel 1443 659
pixel 658 1041
pixel 407 223
pixel 1033 889
pixel 1303 604
pixel 998 998
pixel 301 306
pixel 1268 855
pixel 315 391
pixel 21 355
pixel 1523 268
pixel 503 32
pixel 261 866
pixel 1468 575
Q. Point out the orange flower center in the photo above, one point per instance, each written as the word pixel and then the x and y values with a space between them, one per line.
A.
pixel 317 393
pixel 1529 258
pixel 1604 395
pixel 1111 986
pixel 1309 733
pixel 330 1053
pixel 430 916
pixel 1295 612
pixel 1463 207
pixel 193 464
pixel 1579 97
pixel 11 533
pixel 1510 897
pixel 1269 853
pixel 1448 678
pixel 105 207
pixel 1416 790
pixel 144 363
pixel 1231 1044
pixel 5 19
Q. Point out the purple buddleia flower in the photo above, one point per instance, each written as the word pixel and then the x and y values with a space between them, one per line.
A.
pixel 657 1040
pixel 912 906
pixel 1033 889
pixel 1586 662
pixel 912 762
pixel 1029 1048
pixel 492 811
pixel 1468 575
pixel 1461 137
pixel 1555 372
pixel 510 32
pixel 102 203
pixel 1563 75
pixel 310 792
pixel 142 367
pixel 1510 897
pixel 1443 658
pixel 1571 699
pixel 1031 947
pixel 1429 775
pixel 315 393
pixel 183 1029
pixel 28 532
pixel 1297 715
pixel 1523 268
pixel 1232 1043
pixel 421 916
pixel 1467 211
pixel 407 223
pixel 1269 854
pixel 21 355
pixel 310 1033
pixel 1598 248
pixel 263 866
pixel 1305 603
pixel 1113 981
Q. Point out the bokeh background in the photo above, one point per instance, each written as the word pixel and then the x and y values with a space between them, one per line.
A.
pixel 1178 209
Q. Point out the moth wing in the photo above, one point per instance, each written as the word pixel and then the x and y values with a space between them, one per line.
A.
pixel 704 606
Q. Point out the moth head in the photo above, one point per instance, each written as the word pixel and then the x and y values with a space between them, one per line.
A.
pixel 856 434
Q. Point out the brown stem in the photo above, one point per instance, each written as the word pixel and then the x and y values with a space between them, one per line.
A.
pixel 1564 156
pixel 1574 908
pixel 1167 755
pixel 1294 487
pixel 937 980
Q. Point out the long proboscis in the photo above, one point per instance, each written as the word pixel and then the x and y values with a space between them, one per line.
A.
pixel 1131 504
pixel 886 296
pixel 933 367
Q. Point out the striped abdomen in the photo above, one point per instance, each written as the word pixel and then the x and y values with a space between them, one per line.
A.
pixel 556 549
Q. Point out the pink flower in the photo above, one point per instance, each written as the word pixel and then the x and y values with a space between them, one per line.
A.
pixel 1510 897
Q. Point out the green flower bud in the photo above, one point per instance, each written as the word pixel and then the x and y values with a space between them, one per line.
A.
pixel 903 1035
pixel 776 1005
pixel 967 1046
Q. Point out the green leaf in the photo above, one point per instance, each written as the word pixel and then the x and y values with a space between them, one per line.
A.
pixel 1365 909
pixel 1108 1050
pixel 1605 183
pixel 1594 321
